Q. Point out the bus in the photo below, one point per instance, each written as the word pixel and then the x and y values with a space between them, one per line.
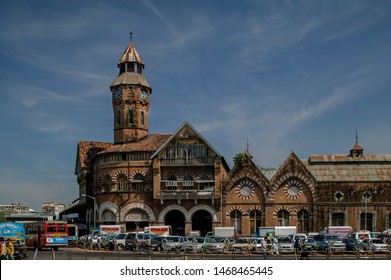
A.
pixel 73 234
pixel 45 234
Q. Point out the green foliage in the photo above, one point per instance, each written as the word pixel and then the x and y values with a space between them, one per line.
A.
pixel 2 217
pixel 239 159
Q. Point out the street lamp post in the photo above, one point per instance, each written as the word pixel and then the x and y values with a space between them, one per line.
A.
pixel 86 195
pixel 366 195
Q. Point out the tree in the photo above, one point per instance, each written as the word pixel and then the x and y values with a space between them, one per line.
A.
pixel 2 217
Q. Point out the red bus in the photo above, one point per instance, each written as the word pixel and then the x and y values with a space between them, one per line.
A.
pixel 47 234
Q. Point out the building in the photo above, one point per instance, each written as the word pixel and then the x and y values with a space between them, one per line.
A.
pixel 325 190
pixel 179 178
pixel 148 179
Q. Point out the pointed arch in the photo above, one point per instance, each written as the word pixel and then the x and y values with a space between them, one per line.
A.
pixel 296 177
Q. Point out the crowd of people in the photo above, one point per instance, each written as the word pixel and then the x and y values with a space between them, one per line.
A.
pixel 7 249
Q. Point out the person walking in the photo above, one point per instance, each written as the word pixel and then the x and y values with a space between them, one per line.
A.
pixel 3 254
pixel 275 245
pixel 264 248
pixel 304 250
pixel 10 250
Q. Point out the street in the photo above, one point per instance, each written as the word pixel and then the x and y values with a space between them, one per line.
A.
pixel 74 253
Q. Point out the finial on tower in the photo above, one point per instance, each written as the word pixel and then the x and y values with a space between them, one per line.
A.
pixel 131 37
pixel 356 136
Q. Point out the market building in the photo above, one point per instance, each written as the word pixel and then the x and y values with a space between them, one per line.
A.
pixel 180 179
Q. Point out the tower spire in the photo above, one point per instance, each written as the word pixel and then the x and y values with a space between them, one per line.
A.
pixel 356 136
pixel 131 36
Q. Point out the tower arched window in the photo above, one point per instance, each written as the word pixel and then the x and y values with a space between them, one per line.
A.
pixel 142 118
pixel 118 117
pixel 130 117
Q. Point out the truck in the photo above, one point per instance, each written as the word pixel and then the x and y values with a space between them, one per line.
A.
pixel 224 231
pixel 268 232
pixel 16 233
pixel 111 229
pixel 285 230
pixel 158 230
pixel 340 230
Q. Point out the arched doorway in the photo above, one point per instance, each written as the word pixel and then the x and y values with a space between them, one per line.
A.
pixel 176 220
pixel 202 221
pixel 136 219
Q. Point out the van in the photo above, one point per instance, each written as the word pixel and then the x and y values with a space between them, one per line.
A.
pixel 137 240
pixel 120 241
pixel 360 235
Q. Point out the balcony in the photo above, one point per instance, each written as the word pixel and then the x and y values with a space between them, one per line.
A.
pixel 186 161
pixel 185 190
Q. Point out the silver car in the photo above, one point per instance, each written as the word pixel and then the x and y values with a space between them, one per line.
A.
pixel 175 242
pixel 374 245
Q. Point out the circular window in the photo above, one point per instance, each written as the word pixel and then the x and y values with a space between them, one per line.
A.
pixel 293 189
pixel 245 189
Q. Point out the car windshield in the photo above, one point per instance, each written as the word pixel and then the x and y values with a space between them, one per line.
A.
pixel 199 239
pixel 173 239
pixel 332 237
pixel 240 240
pixel 284 240
pixel 121 236
pixel 217 240
pixel 377 241
pixel 310 240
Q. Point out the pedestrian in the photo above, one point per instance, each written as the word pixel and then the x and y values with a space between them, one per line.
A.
pixel 304 250
pixel 297 245
pixel 264 248
pixel 10 250
pixel 3 255
pixel 275 245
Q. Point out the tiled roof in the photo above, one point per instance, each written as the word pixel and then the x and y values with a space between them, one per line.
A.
pixel 149 144
pixel 88 149
pixel 366 168
pixel 131 55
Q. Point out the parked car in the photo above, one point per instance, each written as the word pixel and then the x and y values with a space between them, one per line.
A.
pixel 138 241
pixel 243 245
pixel 299 235
pixel 258 244
pixel 218 244
pixel 374 245
pixel 157 242
pixel 330 243
pixel 175 242
pixel 121 239
pixel 352 245
pixel 285 244
pixel 311 243
pixel 197 244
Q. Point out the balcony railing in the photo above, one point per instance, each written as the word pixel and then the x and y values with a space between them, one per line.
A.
pixel 186 161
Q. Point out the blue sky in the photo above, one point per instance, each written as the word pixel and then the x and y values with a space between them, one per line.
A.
pixel 286 75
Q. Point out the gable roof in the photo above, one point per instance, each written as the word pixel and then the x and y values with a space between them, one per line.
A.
pixel 185 130
pixel 86 150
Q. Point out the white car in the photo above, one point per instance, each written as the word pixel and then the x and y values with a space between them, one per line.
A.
pixel 374 245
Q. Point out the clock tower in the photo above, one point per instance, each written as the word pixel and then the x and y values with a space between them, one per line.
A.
pixel 130 98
